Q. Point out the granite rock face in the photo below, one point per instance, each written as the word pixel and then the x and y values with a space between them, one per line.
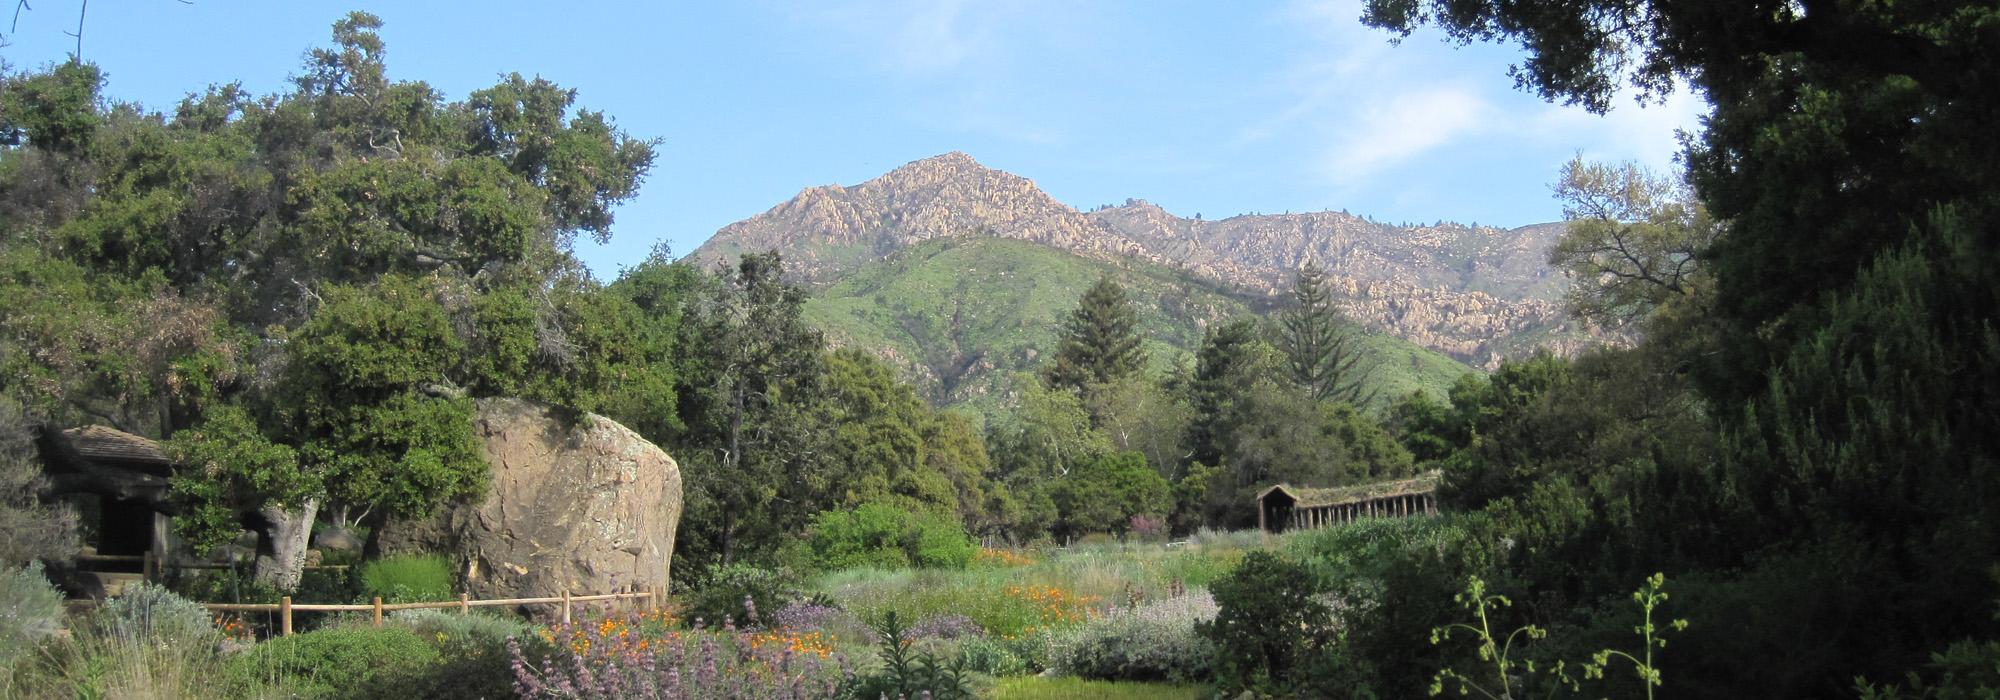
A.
pixel 584 505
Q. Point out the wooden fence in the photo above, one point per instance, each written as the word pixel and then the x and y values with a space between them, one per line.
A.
pixel 565 602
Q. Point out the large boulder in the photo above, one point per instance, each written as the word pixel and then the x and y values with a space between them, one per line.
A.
pixel 584 505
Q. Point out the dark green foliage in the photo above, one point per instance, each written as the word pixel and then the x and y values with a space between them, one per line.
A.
pixel 727 594
pixel 1396 579
pixel 910 673
pixel 1963 671
pixel 1270 625
pixel 888 537
pixel 1258 427
pixel 752 371
pixel 333 270
pixel 1103 495
pixel 1099 342
pixel 340 662
pixel 1222 375
pixel 53 111
pixel 1322 348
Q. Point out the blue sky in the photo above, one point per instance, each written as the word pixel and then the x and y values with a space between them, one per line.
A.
pixel 1216 108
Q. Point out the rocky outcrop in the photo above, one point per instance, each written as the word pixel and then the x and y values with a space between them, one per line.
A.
pixel 584 505
pixel 1474 292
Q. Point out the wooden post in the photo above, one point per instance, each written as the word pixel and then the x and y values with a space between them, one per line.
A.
pixel 464 604
pixel 378 611
pixel 565 607
pixel 285 616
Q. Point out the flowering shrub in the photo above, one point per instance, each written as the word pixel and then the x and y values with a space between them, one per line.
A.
pixel 946 626
pixel 1000 558
pixel 1054 606
pixel 835 623
pixel 1152 641
pixel 614 658
pixel 1148 528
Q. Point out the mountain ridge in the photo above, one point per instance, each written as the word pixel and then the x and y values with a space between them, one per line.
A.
pixel 1476 293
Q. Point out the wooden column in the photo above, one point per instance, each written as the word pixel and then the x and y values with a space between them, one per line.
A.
pixel 285 615
pixel 378 611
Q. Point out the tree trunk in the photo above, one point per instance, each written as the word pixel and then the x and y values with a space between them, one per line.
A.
pixel 281 546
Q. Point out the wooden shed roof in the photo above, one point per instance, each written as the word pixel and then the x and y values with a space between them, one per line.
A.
pixel 98 442
pixel 1302 497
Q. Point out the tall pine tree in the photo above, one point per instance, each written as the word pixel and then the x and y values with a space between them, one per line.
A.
pixel 1100 341
pixel 1322 351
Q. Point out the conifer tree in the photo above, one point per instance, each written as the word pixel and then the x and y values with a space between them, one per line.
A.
pixel 1100 340
pixel 1322 351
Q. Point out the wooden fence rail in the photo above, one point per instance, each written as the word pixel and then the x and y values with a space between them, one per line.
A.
pixel 566 602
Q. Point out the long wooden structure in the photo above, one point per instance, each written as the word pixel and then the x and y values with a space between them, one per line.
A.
pixel 1284 507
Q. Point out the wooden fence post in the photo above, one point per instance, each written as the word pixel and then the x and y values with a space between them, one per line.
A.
pixel 378 611
pixel 565 607
pixel 285 615
pixel 464 604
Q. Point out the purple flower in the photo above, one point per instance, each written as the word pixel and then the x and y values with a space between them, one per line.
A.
pixel 946 626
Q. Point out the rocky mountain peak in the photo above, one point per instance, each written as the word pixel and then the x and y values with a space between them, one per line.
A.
pixel 1476 293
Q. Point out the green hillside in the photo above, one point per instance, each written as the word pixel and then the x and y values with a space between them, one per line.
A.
pixel 961 315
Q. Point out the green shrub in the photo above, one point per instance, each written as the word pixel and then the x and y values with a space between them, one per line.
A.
pixel 473 661
pixel 993 657
pixel 1269 624
pixel 722 594
pixel 31 609
pixel 1395 580
pixel 338 662
pixel 149 613
pixel 890 537
pixel 408 578
pixel 1964 671
pixel 1152 642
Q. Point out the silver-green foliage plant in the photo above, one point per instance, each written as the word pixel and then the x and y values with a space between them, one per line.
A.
pixel 1154 641
pixel 1508 675
pixel 147 613
pixel 30 611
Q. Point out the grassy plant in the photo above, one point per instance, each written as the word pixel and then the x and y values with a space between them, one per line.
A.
pixel 92 664
pixel 338 662
pixel 408 578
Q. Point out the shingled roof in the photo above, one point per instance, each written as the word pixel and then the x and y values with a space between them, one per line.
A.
pixel 98 442
pixel 1426 482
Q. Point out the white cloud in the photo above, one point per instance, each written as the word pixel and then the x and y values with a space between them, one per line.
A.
pixel 1643 133
pixel 1401 128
